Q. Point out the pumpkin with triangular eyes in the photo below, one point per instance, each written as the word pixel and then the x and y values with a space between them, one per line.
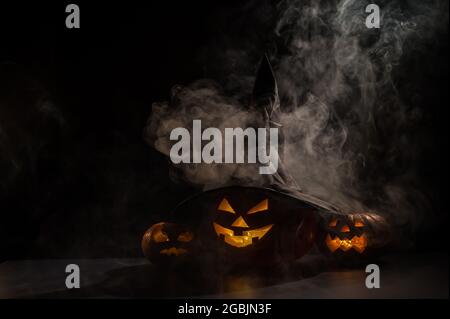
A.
pixel 250 226
pixel 166 242
pixel 239 234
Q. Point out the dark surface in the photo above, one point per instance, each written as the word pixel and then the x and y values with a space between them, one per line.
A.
pixel 402 276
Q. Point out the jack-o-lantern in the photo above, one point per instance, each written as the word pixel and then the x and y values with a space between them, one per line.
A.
pixel 239 234
pixel 249 226
pixel 354 235
pixel 164 242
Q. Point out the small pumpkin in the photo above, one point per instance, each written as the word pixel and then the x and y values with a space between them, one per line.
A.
pixel 164 242
pixel 353 236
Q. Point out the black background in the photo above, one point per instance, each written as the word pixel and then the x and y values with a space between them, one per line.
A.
pixel 94 186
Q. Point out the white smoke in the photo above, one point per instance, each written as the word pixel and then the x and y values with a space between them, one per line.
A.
pixel 348 133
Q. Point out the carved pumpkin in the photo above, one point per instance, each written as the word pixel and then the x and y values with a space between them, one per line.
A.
pixel 163 242
pixel 239 234
pixel 250 226
pixel 354 235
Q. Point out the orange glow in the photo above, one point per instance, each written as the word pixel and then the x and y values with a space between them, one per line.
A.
pixel 222 230
pixel 173 251
pixel 262 206
pixel 185 237
pixel 259 232
pixel 333 223
pixel 240 222
pixel 238 241
pixel 346 244
pixel 226 207
pixel 333 244
pixel 241 241
pixel 359 223
pixel 158 234
pixel 345 229
pixel 358 243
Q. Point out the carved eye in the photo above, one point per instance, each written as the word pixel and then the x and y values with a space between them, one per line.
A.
pixel 262 206
pixel 359 223
pixel 224 206
pixel 332 223
pixel 159 236
pixel 185 237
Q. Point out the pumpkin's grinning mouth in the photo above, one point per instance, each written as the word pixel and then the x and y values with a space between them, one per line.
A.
pixel 247 238
pixel 173 251
pixel 358 243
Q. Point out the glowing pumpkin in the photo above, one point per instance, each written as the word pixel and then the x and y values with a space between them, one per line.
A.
pixel 346 236
pixel 239 226
pixel 163 242
pixel 354 235
pixel 239 234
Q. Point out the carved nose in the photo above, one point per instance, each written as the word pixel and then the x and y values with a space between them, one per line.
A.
pixel 240 222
